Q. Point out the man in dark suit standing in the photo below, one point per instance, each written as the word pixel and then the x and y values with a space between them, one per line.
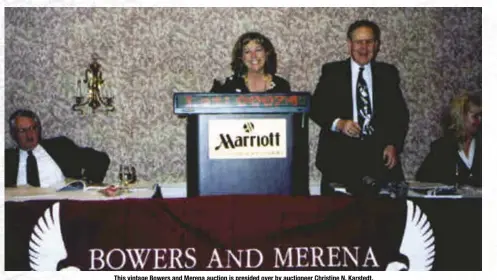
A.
pixel 362 114
pixel 47 162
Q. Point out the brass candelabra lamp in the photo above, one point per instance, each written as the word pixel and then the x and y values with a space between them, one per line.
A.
pixel 94 99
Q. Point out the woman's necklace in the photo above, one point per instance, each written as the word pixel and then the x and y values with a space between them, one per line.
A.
pixel 267 81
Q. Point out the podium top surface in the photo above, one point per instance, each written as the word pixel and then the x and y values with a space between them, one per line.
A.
pixel 191 103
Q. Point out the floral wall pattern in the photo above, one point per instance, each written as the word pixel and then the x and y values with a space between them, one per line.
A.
pixel 149 53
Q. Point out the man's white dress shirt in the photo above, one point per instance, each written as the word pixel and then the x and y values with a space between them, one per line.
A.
pixel 368 77
pixel 49 172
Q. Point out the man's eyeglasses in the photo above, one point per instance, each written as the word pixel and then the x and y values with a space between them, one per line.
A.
pixel 368 42
pixel 26 129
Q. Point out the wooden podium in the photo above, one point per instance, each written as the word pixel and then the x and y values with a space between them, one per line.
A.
pixel 252 143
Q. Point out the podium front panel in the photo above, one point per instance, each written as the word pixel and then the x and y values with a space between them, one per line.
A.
pixel 247 154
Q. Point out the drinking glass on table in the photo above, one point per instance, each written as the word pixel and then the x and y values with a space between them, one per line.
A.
pixel 126 176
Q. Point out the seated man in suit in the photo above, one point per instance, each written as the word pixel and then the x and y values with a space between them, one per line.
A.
pixel 362 114
pixel 47 162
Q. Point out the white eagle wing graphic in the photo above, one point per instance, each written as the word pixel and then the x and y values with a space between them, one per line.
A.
pixel 418 242
pixel 46 247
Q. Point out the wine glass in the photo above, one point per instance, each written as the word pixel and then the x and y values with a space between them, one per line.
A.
pixel 125 175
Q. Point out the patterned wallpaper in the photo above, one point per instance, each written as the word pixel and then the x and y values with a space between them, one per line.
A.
pixel 148 53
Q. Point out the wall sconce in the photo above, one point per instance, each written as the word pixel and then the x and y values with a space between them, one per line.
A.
pixel 94 99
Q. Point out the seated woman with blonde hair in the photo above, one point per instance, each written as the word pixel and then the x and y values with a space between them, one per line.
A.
pixel 254 67
pixel 456 158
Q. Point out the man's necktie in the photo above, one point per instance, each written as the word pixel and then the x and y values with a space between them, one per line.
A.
pixel 363 105
pixel 32 170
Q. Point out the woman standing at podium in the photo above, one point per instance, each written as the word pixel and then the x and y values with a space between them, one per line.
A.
pixel 254 63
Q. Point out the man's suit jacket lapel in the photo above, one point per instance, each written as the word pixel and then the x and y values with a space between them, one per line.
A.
pixel 58 154
pixel 63 152
pixel 347 91
pixel 11 161
pixel 16 164
pixel 376 86
pixel 379 91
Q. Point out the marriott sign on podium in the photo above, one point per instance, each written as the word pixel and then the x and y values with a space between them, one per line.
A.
pixel 247 138
pixel 252 143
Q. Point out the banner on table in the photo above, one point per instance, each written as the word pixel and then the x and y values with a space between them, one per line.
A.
pixel 203 235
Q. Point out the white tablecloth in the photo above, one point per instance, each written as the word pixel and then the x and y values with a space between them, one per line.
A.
pixel 145 190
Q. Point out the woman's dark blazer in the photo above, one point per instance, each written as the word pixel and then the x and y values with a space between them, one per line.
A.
pixel 440 164
pixel 234 84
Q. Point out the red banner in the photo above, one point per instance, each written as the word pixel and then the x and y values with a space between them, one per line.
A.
pixel 220 233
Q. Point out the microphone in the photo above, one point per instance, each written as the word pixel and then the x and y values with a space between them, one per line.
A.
pixel 368 181
pixel 365 186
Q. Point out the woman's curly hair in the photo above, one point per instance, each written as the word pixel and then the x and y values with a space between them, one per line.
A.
pixel 459 108
pixel 238 66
